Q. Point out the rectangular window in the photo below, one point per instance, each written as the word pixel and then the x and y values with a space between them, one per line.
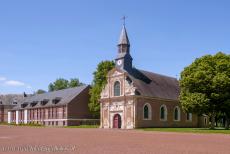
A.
pixel 52 112
pixel 48 112
pixel 56 116
pixel 32 114
pixel 44 113
pixel 40 114
pixel 189 116
pixel 63 112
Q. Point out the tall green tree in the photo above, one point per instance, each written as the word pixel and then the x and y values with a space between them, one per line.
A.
pixel 205 86
pixel 59 84
pixel 62 83
pixel 74 82
pixel 99 81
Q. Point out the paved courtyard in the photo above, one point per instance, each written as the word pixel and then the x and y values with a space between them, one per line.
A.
pixel 15 139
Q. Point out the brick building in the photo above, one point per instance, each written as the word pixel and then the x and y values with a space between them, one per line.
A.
pixel 58 108
pixel 7 102
pixel 136 98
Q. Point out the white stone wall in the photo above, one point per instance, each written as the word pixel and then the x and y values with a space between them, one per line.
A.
pixel 124 108
pixel 116 108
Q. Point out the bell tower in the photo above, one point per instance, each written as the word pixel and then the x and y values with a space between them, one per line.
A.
pixel 124 59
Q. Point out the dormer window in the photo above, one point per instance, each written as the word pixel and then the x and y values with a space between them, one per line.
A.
pixel 24 105
pixel 33 103
pixel 44 101
pixel 56 100
pixel 14 102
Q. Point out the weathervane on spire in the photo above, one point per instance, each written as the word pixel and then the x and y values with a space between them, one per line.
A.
pixel 123 18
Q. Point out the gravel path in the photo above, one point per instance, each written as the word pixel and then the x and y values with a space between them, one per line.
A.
pixel 102 141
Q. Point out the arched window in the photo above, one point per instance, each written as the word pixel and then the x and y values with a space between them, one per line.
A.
pixel 163 113
pixel 117 88
pixel 177 113
pixel 147 112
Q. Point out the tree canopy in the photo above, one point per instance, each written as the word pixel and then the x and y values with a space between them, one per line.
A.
pixel 62 83
pixel 74 82
pixel 205 85
pixel 99 81
pixel 40 91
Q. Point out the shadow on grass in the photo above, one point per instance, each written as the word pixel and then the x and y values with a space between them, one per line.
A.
pixel 190 130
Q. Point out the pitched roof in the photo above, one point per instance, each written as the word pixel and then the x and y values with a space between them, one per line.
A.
pixel 155 85
pixel 62 96
pixel 10 98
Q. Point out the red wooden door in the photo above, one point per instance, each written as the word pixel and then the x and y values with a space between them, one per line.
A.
pixel 117 121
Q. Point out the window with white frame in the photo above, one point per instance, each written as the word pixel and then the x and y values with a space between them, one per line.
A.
pixel 163 113
pixel 147 112
pixel 176 113
pixel 189 116
pixel 117 88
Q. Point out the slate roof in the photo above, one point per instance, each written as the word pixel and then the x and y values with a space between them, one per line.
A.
pixel 10 98
pixel 148 83
pixel 123 37
pixel 61 96
pixel 155 85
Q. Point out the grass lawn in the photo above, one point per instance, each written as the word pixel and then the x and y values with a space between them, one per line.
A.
pixel 189 130
pixel 83 126
pixel 37 125
pixel 29 124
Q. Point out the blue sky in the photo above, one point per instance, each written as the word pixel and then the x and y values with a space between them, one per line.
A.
pixel 47 39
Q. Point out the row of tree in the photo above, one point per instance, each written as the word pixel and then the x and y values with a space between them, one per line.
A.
pixel 205 87
pixel 60 84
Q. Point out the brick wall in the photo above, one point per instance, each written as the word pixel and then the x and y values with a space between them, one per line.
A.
pixel 78 108
pixel 155 116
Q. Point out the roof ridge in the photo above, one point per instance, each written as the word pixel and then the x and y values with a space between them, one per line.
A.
pixel 158 74
pixel 49 92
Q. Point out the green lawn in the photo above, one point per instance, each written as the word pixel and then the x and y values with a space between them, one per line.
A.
pixel 189 130
pixel 18 125
pixel 83 126
pixel 37 125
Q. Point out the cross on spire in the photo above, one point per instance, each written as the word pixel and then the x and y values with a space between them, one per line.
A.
pixel 124 18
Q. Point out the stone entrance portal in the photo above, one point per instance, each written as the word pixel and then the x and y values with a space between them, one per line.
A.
pixel 117 121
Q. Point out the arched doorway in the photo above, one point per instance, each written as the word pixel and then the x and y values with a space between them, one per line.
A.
pixel 117 121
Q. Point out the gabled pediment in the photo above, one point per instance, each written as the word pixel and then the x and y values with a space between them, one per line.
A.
pixel 115 71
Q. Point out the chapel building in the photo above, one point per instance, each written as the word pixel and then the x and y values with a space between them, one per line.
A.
pixel 134 98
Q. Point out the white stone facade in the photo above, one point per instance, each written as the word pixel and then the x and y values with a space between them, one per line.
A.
pixel 112 105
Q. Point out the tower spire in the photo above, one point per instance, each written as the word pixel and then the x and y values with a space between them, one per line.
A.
pixel 124 39
pixel 123 43
pixel 124 59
